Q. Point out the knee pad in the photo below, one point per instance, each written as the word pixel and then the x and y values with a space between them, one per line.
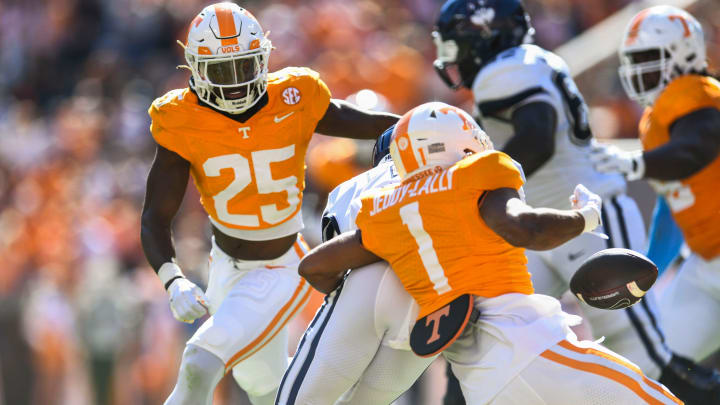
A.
pixel 257 377
pixel 201 364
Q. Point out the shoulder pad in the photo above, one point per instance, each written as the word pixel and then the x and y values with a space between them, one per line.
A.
pixel 293 73
pixel 489 170
pixel 684 95
pixel 169 109
pixel 514 71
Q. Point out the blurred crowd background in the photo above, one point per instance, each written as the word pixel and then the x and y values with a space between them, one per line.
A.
pixel 83 318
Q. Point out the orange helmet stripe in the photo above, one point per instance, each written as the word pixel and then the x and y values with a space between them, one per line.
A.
pixel 226 24
pixel 400 137
pixel 635 28
pixel 684 23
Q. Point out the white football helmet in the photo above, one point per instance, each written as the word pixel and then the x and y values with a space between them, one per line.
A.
pixel 227 52
pixel 434 134
pixel 659 44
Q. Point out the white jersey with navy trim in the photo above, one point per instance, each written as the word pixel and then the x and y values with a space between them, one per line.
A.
pixel 526 74
pixel 344 202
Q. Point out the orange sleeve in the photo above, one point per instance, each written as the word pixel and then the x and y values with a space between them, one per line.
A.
pixel 685 95
pixel 489 171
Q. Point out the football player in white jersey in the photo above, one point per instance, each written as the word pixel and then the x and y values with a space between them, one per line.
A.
pixel 356 350
pixel 530 107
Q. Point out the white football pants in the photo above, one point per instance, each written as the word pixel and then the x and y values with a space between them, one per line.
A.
pixel 691 308
pixel 251 303
pixel 580 372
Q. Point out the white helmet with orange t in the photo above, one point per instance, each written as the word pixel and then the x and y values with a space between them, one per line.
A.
pixel 227 52
pixel 435 134
pixel 659 44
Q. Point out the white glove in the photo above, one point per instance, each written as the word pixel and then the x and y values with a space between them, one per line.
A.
pixel 187 300
pixel 588 205
pixel 611 159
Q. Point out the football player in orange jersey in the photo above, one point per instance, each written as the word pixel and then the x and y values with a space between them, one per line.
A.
pixel 664 68
pixel 242 134
pixel 458 225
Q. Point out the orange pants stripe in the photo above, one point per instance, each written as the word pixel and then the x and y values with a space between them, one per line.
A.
pixel 277 323
pixel 607 372
pixel 588 350
pixel 281 319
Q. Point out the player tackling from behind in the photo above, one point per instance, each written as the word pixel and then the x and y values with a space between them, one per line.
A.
pixel 459 223
pixel 532 110
pixel 664 68
pixel 242 134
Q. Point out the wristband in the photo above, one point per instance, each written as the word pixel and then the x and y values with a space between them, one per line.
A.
pixel 168 272
pixel 591 215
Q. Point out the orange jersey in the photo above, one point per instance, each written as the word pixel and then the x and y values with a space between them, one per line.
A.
pixel 250 174
pixel 431 232
pixel 693 200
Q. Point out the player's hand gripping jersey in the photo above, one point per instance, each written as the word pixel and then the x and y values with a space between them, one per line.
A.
pixel 693 200
pixel 250 175
pixel 429 230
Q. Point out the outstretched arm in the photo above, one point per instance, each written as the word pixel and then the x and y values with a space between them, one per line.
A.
pixel 534 228
pixel 326 264
pixel 346 120
pixel 694 144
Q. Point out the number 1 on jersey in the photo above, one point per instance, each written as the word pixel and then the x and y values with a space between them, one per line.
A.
pixel 410 215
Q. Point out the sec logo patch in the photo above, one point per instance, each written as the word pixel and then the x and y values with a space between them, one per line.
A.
pixel 291 96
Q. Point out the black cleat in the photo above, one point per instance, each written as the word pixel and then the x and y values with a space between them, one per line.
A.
pixel 692 383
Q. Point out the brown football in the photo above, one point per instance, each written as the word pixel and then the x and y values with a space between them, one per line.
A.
pixel 613 278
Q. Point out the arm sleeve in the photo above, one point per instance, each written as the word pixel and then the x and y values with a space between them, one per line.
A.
pixel 318 95
pixel 666 239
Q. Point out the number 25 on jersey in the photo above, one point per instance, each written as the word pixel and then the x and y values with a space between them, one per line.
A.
pixel 264 180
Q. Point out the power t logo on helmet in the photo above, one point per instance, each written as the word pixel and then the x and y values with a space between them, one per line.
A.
pixel 434 134
pixel 227 52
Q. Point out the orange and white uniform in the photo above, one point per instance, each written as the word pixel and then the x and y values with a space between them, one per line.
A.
pixel 250 176
pixel 429 229
pixel 693 200
pixel 439 219
pixel 696 208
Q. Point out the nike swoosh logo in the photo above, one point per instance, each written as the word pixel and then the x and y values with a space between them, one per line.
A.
pixel 576 256
pixel 278 119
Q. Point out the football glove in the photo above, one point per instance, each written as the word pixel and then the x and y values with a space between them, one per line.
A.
pixel 187 300
pixel 611 159
pixel 588 204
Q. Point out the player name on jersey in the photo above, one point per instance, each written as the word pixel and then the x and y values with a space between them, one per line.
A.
pixel 440 180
